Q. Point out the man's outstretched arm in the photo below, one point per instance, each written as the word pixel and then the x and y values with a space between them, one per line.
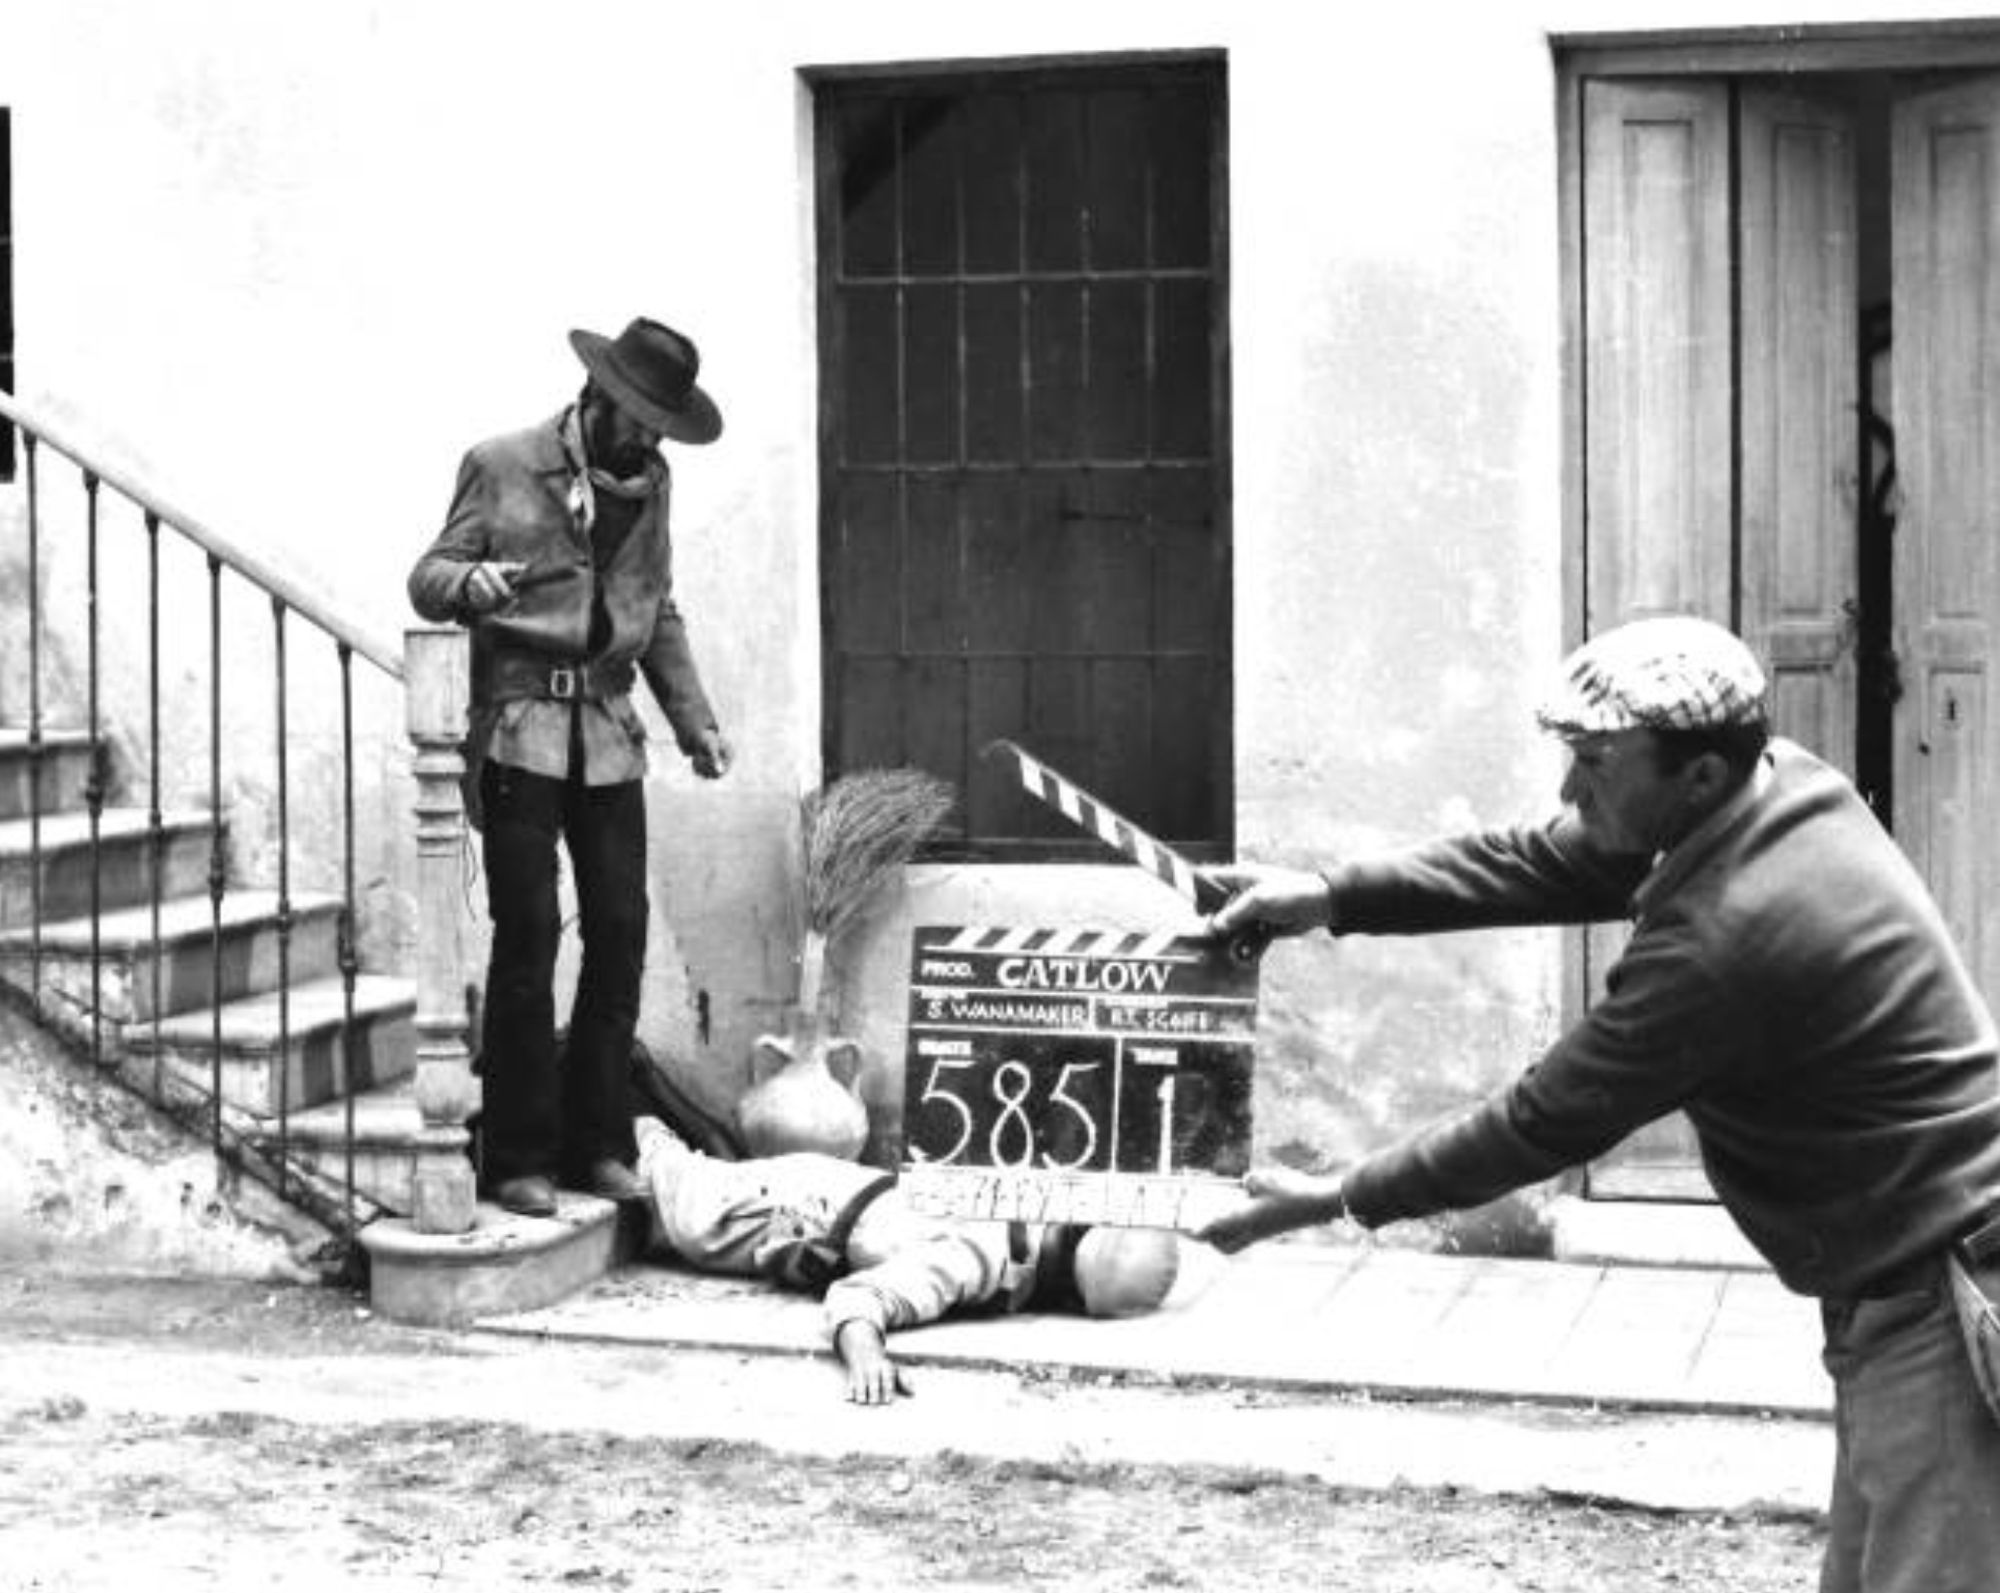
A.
pixel 1280 1200
pixel 922 1278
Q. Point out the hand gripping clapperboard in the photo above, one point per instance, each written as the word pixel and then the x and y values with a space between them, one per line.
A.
pixel 1081 1075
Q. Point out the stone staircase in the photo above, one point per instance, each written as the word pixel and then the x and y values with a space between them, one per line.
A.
pixel 354 1097
pixel 147 1007
pixel 139 993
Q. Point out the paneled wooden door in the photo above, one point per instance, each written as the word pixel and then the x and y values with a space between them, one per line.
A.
pixel 1720 374
pixel 1946 228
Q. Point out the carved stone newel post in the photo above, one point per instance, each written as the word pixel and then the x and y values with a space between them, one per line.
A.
pixel 436 659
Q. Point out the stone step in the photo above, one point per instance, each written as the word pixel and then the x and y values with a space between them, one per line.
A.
pixel 387 1135
pixel 505 1264
pixel 263 1075
pixel 126 862
pixel 124 988
pixel 65 770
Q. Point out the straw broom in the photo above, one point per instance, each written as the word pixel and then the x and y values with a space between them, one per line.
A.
pixel 854 834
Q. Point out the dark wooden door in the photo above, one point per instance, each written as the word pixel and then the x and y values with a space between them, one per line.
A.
pixel 1024 522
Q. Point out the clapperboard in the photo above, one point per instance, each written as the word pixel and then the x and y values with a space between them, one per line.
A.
pixel 1080 1075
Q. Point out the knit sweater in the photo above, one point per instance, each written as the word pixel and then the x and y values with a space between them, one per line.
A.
pixel 1789 983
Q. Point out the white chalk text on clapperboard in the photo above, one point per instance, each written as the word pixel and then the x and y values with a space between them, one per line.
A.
pixel 1042 1054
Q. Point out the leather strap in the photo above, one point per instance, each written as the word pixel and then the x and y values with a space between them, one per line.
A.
pixel 843 1225
pixel 513 676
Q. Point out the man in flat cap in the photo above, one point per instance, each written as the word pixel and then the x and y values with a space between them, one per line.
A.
pixel 1790 985
pixel 555 554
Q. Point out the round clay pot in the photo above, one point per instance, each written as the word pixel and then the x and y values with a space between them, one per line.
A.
pixel 806 1097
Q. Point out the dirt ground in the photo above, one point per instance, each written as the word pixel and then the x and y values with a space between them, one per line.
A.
pixel 93 1499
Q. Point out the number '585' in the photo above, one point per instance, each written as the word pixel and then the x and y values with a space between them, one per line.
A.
pixel 1010 1142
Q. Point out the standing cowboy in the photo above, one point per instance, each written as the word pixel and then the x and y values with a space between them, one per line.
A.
pixel 556 556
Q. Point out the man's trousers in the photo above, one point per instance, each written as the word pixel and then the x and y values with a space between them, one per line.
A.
pixel 1916 1485
pixel 543 1114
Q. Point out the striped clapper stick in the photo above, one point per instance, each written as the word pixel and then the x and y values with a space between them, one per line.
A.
pixel 1123 836
pixel 1112 828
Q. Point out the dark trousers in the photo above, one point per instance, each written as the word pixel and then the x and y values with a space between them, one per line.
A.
pixel 543 1114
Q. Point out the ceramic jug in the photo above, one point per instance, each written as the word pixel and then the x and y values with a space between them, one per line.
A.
pixel 804 1096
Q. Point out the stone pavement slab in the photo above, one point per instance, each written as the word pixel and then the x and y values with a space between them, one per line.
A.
pixel 1361 1320
pixel 661 1353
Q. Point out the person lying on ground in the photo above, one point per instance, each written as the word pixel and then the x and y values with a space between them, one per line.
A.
pixel 817 1224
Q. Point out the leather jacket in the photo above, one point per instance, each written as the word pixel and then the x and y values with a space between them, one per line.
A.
pixel 536 685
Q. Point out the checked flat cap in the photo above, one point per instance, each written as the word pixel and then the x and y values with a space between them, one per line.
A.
pixel 1671 673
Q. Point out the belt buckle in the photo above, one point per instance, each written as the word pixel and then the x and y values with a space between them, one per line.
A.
pixel 562 683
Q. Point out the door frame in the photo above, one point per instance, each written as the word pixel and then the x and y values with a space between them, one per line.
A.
pixel 1917 46
pixel 1718 52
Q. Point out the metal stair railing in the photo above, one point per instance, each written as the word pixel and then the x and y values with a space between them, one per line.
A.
pixel 441 1033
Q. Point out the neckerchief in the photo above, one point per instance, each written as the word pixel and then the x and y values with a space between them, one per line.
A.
pixel 587 480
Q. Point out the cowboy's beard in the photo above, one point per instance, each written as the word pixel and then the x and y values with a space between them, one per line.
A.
pixel 628 461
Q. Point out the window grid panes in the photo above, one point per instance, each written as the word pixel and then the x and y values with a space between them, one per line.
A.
pixel 1024 527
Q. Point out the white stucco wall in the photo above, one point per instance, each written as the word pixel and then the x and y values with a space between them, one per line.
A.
pixel 290 260
pixel 93 1180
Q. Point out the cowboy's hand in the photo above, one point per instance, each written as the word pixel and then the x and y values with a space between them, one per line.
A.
pixel 1285 901
pixel 1280 1200
pixel 872 1378
pixel 490 585
pixel 712 755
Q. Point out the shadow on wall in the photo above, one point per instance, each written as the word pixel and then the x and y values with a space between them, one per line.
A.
pixel 1358 1045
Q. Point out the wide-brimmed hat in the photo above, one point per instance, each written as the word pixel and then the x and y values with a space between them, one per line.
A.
pixel 1673 672
pixel 649 371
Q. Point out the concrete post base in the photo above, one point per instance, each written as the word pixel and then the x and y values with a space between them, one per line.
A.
pixel 502 1264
